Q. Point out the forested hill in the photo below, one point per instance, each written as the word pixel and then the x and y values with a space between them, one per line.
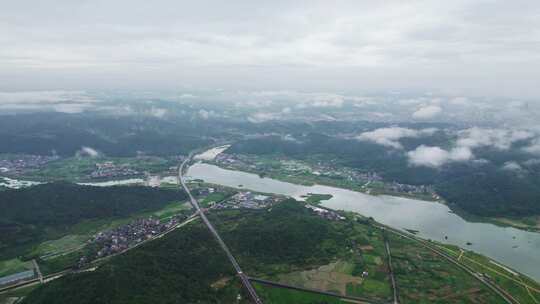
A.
pixel 40 212
pixel 43 133
pixel 482 189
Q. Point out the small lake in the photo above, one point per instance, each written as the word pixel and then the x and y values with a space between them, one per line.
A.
pixel 512 247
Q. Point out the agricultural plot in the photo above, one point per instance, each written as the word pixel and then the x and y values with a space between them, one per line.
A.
pixel 424 277
pixel 520 287
pixel 276 295
pixel 363 273
pixel 8 267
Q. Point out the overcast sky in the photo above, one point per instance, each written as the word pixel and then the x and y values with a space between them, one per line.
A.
pixel 489 48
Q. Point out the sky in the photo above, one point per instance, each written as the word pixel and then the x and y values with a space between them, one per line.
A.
pixel 480 48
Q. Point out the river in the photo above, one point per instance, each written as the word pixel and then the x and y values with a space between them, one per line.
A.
pixel 515 248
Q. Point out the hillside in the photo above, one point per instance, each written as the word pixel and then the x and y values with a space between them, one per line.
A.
pixel 50 211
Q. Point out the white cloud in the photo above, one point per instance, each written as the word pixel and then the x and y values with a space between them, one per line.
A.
pixel 512 166
pixel 427 112
pixel 262 117
pixel 187 96
pixel 158 112
pixel 59 101
pixel 293 43
pixel 467 141
pixel 204 114
pixel 70 108
pixel 45 97
pixel 410 101
pixel 534 148
pixel 436 157
pixel 532 162
pixel 335 101
pixel 390 136
pixel 499 138
pixel 88 151
pixel 461 101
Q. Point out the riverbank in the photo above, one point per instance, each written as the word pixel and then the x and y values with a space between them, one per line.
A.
pixel 531 224
pixel 510 246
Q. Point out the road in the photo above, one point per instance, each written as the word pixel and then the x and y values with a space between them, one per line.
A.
pixel 392 276
pixel 38 271
pixel 245 280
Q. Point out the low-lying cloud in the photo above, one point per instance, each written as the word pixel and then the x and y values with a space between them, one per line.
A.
pixel 262 117
pixel 498 138
pixel 436 157
pixel 512 166
pixel 58 101
pixel 467 141
pixel 534 147
pixel 88 151
pixel 335 101
pixel 427 112
pixel 390 136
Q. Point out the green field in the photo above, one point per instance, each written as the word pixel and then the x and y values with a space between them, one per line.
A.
pixel 213 198
pixel 341 251
pixel 315 199
pixel 518 285
pixel 276 295
pixel 11 296
pixel 424 277
pixel 15 265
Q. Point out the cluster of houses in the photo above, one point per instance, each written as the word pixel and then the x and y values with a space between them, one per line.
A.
pixel 17 165
pixel 109 169
pixel 410 189
pixel 326 213
pixel 123 237
pixel 247 200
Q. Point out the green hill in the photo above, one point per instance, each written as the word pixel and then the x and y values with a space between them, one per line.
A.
pixel 50 211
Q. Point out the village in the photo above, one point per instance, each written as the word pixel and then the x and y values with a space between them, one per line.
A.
pixel 364 180
pixel 16 165
pixel 117 240
pixel 109 169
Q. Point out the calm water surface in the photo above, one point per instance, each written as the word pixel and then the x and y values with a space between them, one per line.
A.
pixel 512 247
